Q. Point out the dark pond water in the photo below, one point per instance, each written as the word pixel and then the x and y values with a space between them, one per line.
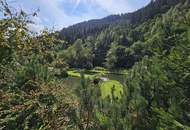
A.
pixel 120 78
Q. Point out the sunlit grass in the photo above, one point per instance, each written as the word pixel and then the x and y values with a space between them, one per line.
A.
pixel 107 86
pixel 91 73
pixel 75 73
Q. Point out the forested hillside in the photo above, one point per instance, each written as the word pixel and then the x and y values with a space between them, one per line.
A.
pixel 94 27
pixel 151 44
pixel 104 39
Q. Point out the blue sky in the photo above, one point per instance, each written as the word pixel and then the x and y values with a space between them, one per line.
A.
pixel 62 13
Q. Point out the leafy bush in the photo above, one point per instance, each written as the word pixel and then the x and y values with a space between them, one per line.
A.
pixel 30 86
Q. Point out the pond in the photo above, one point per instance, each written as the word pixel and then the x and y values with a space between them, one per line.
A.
pixel 74 82
pixel 118 77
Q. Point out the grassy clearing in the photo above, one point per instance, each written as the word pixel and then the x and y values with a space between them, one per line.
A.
pixel 75 73
pixel 106 88
pixel 91 73
pixel 105 71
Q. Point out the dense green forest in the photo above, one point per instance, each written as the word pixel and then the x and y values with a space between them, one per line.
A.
pixel 151 44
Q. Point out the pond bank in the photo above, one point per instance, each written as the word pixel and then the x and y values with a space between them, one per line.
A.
pixel 92 73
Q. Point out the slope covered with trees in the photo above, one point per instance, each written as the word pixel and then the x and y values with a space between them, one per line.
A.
pixel 117 44
pixel 155 95
pixel 93 27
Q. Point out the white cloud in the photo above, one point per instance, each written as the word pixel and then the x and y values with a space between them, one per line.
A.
pixel 55 15
pixel 112 6
pixel 115 6
pixel 38 26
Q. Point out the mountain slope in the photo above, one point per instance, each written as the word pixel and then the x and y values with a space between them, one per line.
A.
pixel 93 27
pixel 35 93
pixel 116 41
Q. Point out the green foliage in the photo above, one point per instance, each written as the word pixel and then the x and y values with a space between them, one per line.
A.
pixel 89 95
pixel 155 95
pixel 119 57
pixel 30 86
pixel 78 56
pixel 26 103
